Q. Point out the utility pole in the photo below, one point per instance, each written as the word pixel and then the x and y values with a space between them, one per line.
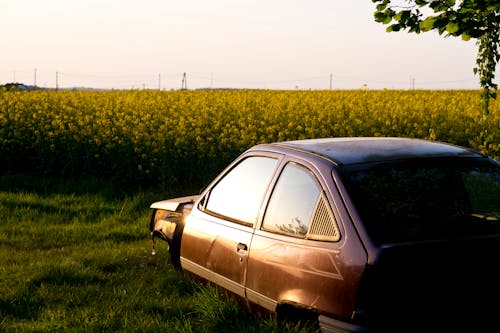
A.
pixel 412 82
pixel 57 81
pixel 184 82
pixel 34 81
pixel 331 80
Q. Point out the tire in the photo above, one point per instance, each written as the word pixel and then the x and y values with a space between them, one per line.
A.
pixel 298 316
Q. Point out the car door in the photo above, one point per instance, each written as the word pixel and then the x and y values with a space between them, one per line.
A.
pixel 218 232
pixel 299 255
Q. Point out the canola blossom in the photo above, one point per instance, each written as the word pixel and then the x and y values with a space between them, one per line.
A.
pixel 171 137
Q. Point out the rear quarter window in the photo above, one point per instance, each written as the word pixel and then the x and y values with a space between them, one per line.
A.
pixel 298 207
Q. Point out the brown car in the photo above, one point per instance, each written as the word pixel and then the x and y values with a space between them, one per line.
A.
pixel 362 234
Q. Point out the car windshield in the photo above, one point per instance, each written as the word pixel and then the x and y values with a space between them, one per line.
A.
pixel 439 200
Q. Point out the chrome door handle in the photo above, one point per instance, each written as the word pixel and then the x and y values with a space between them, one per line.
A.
pixel 241 248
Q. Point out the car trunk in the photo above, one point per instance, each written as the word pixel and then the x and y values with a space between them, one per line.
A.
pixel 449 283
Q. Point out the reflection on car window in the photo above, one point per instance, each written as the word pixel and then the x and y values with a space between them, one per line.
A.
pixel 293 202
pixel 239 194
pixel 407 203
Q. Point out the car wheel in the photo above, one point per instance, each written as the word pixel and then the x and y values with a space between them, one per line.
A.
pixel 297 316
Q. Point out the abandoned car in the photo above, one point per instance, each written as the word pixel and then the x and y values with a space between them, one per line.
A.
pixel 362 234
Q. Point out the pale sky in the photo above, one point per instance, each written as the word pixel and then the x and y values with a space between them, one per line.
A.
pixel 265 44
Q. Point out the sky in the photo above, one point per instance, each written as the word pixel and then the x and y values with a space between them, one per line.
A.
pixel 254 44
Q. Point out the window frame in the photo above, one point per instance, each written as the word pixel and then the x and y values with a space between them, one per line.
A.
pixel 202 205
pixel 322 197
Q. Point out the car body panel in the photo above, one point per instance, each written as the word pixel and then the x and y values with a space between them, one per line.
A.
pixel 317 275
pixel 356 150
pixel 217 248
pixel 452 284
pixel 173 204
pixel 167 223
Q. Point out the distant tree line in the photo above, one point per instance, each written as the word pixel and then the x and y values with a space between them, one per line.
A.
pixel 19 86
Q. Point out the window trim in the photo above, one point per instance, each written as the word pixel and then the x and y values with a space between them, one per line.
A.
pixel 205 197
pixel 321 197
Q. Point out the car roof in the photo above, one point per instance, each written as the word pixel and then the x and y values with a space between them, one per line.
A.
pixel 353 150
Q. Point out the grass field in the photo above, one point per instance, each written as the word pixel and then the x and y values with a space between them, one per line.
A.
pixel 76 257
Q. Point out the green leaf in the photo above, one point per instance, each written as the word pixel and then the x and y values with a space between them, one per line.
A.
pixel 494 7
pixel 421 3
pixel 452 27
pixel 441 6
pixel 415 29
pixel 476 33
pixel 428 23
pixel 381 17
pixel 402 16
pixel 440 22
pixel 393 27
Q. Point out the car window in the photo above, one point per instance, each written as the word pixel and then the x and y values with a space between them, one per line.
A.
pixel 483 192
pixel 418 202
pixel 296 201
pixel 238 195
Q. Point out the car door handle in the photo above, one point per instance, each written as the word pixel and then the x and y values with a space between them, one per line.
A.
pixel 241 248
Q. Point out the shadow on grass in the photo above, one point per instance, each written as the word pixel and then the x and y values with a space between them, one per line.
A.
pixel 24 305
pixel 13 182
pixel 65 276
pixel 108 190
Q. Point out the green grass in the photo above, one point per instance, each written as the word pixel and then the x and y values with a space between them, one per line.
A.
pixel 76 257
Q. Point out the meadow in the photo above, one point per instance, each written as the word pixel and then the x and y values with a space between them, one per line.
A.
pixel 78 171
pixel 75 256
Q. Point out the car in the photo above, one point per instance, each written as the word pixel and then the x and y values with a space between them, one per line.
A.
pixel 361 234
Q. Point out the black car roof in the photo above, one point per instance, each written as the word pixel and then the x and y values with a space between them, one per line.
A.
pixel 376 149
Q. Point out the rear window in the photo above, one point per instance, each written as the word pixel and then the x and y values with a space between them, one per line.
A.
pixel 400 203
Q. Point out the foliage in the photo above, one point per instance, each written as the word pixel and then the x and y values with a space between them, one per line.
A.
pixel 17 86
pixel 479 19
pixel 186 137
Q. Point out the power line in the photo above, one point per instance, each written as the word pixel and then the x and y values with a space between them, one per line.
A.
pixel 71 79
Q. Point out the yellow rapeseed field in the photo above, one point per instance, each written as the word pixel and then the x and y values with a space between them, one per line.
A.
pixel 144 136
